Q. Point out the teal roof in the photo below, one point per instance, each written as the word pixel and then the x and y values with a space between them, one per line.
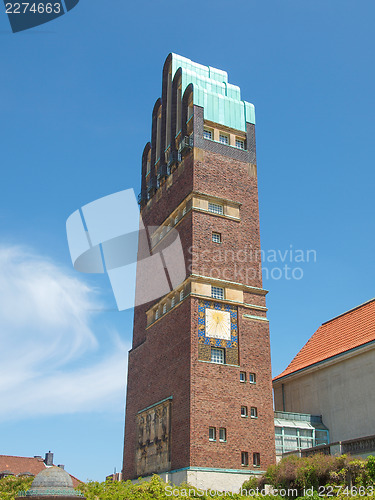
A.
pixel 220 99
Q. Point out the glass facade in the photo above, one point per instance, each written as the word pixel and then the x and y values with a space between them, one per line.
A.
pixel 296 431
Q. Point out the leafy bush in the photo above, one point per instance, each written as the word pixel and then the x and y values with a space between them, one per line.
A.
pixel 155 489
pixel 10 486
pixel 252 484
pixel 293 472
pixel 370 469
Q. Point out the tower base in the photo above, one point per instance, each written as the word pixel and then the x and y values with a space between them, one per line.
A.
pixel 206 478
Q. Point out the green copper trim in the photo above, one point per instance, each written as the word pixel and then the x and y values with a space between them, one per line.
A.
pixel 155 404
pixel 55 492
pixel 220 99
pixel 212 469
pixel 250 316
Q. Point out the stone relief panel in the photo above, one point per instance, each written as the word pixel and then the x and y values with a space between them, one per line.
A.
pixel 153 439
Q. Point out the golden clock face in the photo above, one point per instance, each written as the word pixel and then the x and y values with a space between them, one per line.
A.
pixel 218 324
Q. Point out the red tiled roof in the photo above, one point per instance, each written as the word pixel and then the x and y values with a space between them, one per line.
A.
pixel 341 334
pixel 20 465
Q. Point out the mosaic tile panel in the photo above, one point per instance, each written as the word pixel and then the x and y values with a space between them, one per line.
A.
pixel 202 336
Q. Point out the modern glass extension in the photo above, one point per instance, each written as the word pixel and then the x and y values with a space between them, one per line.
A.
pixel 296 431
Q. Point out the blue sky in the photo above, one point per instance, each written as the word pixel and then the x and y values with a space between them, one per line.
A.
pixel 77 96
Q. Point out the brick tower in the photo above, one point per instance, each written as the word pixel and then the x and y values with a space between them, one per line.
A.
pixel 199 400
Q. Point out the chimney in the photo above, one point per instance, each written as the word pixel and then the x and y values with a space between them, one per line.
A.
pixel 61 466
pixel 49 459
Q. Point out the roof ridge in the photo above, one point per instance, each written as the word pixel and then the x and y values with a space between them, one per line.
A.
pixel 349 310
pixel 334 338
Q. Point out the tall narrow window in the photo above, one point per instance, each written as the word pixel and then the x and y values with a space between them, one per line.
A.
pixel 212 433
pixel 178 117
pixel 244 458
pixel 244 411
pixel 217 292
pixel 215 208
pixel 222 434
pixel 173 301
pixel 181 294
pixel 252 378
pixel 217 356
pixel 190 110
pixel 254 412
pixel 242 376
pixel 157 314
pixel 169 108
pixel 158 135
pixel 164 308
pixel 256 459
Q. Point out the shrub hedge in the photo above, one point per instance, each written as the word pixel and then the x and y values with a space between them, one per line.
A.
pixel 309 478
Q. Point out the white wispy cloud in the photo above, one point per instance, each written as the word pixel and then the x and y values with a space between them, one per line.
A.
pixel 51 361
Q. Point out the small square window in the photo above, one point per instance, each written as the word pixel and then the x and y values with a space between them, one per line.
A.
pixel 222 434
pixel 244 411
pixel 254 412
pixel 217 356
pixel 181 294
pixel 240 144
pixel 164 308
pixel 217 292
pixel 215 208
pixel 244 458
pixel 212 433
pixel 252 378
pixel 216 237
pixel 173 301
pixel 256 459
pixel 242 376
pixel 224 139
pixel 207 134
